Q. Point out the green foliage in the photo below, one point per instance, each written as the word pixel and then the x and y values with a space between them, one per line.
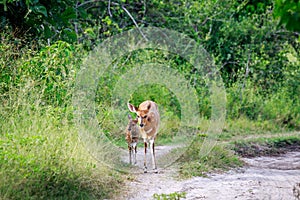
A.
pixel 51 70
pixel 243 99
pixel 220 158
pixel 41 17
pixel 288 13
pixel 67 20
pixel 171 196
pixel 40 155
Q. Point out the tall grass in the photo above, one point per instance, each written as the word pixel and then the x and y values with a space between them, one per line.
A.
pixel 42 158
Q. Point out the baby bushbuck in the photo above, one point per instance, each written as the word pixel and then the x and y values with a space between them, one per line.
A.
pixel 132 138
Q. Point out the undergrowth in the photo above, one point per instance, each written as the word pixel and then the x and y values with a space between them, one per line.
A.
pixel 42 158
pixel 244 127
pixel 220 158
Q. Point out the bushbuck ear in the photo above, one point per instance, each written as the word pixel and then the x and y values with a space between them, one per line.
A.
pixel 131 107
pixel 129 117
pixel 149 106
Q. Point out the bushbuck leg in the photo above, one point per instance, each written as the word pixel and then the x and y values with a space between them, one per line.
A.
pixel 145 156
pixel 134 151
pixel 152 152
pixel 153 155
pixel 130 152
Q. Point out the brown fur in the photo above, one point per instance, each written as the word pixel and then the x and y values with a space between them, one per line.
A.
pixel 148 118
pixel 132 137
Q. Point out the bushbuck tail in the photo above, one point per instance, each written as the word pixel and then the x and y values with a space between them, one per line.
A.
pixel 148 119
pixel 132 137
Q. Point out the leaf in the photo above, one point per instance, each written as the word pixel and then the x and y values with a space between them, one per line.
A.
pixel 47 31
pixel 90 32
pixel 4 4
pixel 107 20
pixel 83 13
pixel 40 9
pixel 68 14
pixel 70 35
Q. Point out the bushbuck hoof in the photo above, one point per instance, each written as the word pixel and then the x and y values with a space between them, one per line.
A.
pixel 155 171
pixel 145 170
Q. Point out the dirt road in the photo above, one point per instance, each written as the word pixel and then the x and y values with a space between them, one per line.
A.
pixel 262 178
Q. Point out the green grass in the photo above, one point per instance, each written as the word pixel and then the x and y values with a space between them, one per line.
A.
pixel 243 127
pixel 171 196
pixel 42 158
pixel 240 137
pixel 219 159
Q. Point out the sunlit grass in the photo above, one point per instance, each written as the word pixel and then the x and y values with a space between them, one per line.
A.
pixel 220 158
pixel 42 158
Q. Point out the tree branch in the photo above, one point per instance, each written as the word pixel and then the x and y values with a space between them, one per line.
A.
pixel 115 4
pixel 128 13
pixel 94 1
pixel 109 2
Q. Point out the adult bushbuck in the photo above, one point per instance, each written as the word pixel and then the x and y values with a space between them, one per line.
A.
pixel 148 119
pixel 132 137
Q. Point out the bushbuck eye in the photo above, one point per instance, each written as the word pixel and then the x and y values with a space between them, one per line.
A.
pixel 145 117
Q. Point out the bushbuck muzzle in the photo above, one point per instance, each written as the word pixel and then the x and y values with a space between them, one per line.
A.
pixel 141 120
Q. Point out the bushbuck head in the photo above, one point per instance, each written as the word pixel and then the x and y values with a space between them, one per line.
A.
pixel 132 128
pixel 143 115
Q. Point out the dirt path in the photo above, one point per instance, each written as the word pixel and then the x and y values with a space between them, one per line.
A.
pixel 262 178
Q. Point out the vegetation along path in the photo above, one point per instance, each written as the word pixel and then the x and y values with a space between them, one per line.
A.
pixel 266 177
